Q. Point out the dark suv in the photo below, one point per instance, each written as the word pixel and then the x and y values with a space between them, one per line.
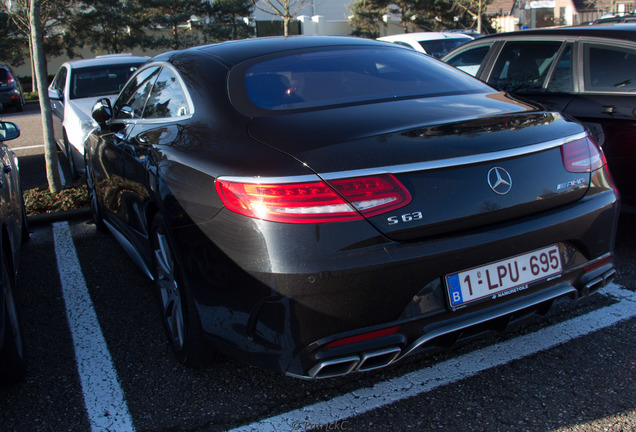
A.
pixel 586 72
pixel 11 92
pixel 629 18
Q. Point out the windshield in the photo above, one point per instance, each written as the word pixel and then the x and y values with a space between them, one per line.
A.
pixel 100 80
pixel 340 76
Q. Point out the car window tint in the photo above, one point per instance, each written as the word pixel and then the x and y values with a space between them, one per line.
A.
pixel 59 82
pixel 562 79
pixel 470 59
pixel 439 48
pixel 345 76
pixel 100 80
pixel 167 98
pixel 609 68
pixel 523 65
pixel 132 100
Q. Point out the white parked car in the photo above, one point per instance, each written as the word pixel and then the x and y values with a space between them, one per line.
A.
pixel 78 84
pixel 436 44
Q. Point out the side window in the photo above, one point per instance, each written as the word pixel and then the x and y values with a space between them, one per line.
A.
pixel 470 59
pixel 167 98
pixel 132 100
pixel 522 66
pixel 562 79
pixel 609 68
pixel 60 79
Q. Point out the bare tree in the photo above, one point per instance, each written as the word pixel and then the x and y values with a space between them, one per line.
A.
pixel 50 149
pixel 285 9
pixel 475 8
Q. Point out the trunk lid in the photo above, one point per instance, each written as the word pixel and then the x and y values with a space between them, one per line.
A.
pixel 467 160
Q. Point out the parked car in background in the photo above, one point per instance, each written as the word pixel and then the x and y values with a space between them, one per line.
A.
pixel 76 87
pixel 611 19
pixel 11 92
pixel 13 230
pixel 326 205
pixel 474 34
pixel 586 72
pixel 436 44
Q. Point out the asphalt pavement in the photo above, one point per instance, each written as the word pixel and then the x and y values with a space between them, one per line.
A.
pixel 571 370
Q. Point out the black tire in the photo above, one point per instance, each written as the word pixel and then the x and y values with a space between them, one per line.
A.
pixel 12 353
pixel 93 199
pixel 19 105
pixel 178 311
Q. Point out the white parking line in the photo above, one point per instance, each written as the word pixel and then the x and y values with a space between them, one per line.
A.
pixel 334 413
pixel 27 147
pixel 103 396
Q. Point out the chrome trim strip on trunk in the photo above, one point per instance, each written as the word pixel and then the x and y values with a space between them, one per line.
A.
pixel 417 166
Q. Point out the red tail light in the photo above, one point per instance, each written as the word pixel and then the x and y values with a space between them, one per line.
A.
pixel 582 155
pixel 315 202
pixel 363 337
pixel 10 79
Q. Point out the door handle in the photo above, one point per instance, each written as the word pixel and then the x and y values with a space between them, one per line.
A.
pixel 609 109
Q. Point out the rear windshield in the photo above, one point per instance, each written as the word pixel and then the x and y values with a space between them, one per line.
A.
pixel 100 80
pixel 439 48
pixel 4 74
pixel 335 77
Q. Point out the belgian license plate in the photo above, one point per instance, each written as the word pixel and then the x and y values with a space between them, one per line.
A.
pixel 503 276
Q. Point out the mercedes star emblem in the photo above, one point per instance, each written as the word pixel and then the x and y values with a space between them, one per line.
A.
pixel 499 180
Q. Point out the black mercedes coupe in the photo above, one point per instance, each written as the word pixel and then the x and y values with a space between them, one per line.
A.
pixel 325 205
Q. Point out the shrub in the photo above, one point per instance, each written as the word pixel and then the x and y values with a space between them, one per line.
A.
pixel 41 200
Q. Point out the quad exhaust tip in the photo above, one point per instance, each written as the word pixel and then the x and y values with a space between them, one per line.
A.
pixel 357 363
pixel 600 281
pixel 371 360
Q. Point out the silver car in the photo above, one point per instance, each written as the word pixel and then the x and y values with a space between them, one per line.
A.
pixel 435 44
pixel 78 84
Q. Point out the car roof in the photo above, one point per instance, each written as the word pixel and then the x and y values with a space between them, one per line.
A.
pixel 622 31
pixel 237 51
pixel 422 36
pixel 105 60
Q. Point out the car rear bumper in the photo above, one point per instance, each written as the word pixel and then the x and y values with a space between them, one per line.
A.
pixel 323 300
pixel 9 97
pixel 420 334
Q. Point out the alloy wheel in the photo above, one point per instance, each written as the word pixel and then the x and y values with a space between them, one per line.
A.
pixel 169 290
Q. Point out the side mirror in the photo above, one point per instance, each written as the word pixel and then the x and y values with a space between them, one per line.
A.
pixel 8 131
pixel 102 112
pixel 125 112
pixel 56 94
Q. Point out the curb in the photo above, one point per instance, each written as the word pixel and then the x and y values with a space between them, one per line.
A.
pixel 46 218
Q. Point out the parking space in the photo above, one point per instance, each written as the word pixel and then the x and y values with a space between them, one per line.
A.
pixel 552 372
